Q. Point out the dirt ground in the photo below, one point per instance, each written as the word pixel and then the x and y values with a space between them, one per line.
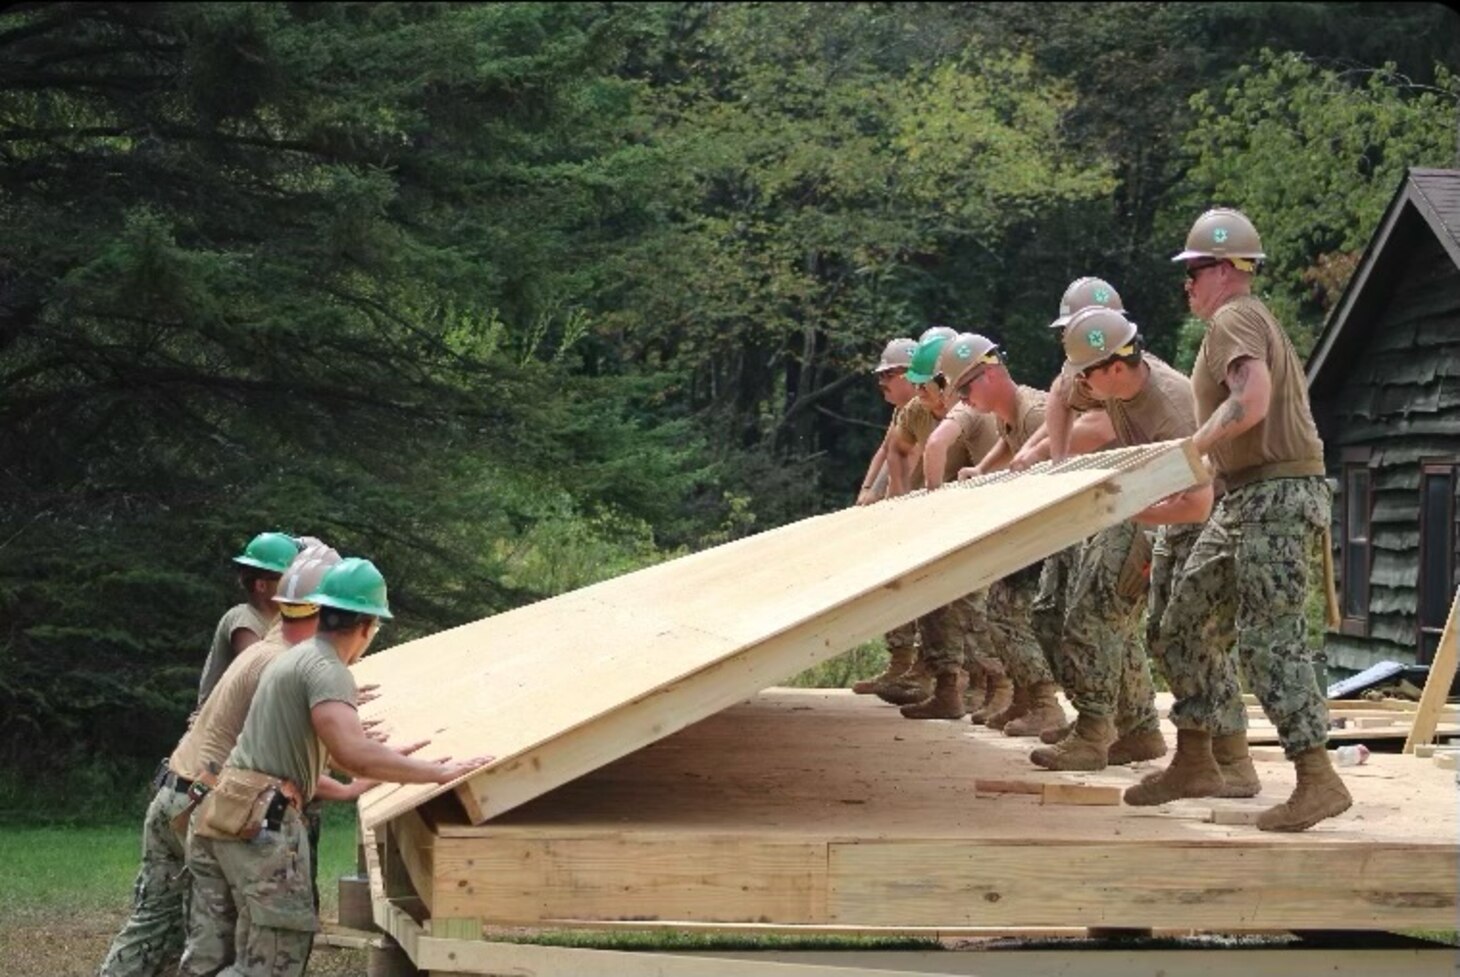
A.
pixel 36 946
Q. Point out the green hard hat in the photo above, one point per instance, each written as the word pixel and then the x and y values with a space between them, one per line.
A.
pixel 353 585
pixel 925 361
pixel 269 551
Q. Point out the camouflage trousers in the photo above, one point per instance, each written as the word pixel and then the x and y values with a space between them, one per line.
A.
pixel 1245 581
pixel 251 914
pixel 152 937
pixel 1087 617
pixel 903 638
pixel 1013 642
pixel 952 635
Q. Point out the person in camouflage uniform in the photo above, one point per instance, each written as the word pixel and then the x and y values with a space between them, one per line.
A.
pixel 251 913
pixel 1247 572
pixel 1105 669
pixel 982 381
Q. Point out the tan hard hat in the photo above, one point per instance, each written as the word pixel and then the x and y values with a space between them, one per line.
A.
pixel 961 356
pixel 1226 234
pixel 934 331
pixel 303 577
pixel 1086 291
pixel 1095 335
pixel 896 355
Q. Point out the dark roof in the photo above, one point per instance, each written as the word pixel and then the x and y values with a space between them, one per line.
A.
pixel 1425 199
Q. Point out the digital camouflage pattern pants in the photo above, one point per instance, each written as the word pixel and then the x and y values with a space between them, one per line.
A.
pixel 1087 617
pixel 952 635
pixel 258 890
pixel 1245 581
pixel 904 637
pixel 1010 602
pixel 152 937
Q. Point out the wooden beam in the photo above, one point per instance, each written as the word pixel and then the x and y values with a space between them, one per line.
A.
pixel 990 786
pixel 1154 885
pixel 1087 795
pixel 414 843
pixel 1438 682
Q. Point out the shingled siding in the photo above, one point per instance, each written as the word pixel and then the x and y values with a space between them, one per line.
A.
pixel 1401 399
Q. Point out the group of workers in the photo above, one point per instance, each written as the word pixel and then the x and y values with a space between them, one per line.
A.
pixel 1221 565
pixel 229 839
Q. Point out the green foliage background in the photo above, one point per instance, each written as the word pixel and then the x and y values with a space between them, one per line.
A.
pixel 513 297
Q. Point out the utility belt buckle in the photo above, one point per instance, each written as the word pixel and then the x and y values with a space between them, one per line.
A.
pixel 197 791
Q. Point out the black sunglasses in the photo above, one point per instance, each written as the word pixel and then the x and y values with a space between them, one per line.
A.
pixel 1193 269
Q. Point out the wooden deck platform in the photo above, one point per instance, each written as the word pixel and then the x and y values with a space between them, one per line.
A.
pixel 812 808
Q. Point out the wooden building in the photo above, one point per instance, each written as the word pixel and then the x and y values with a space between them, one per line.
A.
pixel 1384 378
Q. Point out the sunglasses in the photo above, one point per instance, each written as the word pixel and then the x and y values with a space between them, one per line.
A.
pixel 1195 269
pixel 887 376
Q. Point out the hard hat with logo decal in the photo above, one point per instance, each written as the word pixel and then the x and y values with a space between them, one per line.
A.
pixel 353 585
pixel 303 577
pixel 1083 292
pixel 924 364
pixel 896 355
pixel 1226 235
pixel 962 359
pixel 268 551
pixel 1095 335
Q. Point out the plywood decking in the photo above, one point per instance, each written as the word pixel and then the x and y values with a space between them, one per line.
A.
pixel 823 808
pixel 559 688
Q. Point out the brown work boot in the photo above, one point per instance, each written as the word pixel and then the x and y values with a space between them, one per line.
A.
pixel 1057 733
pixel 913 685
pixel 946 702
pixel 899 660
pixel 1044 712
pixel 1000 695
pixel 1084 749
pixel 1018 706
pixel 1144 744
pixel 1192 772
pixel 1320 794
pixel 1239 776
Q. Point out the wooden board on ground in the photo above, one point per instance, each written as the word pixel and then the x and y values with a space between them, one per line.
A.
pixel 559 688
pixel 820 808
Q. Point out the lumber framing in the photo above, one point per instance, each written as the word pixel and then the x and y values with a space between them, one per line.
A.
pixel 1437 683
pixel 653 651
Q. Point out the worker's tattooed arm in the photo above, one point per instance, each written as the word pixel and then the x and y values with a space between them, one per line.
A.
pixel 1249 386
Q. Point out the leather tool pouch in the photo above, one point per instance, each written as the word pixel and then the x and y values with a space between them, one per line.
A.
pixel 1135 571
pixel 237 808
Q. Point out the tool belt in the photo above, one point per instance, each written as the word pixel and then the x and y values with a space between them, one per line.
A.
pixel 245 803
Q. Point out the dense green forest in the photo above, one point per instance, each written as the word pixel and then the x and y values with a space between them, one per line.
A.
pixel 511 297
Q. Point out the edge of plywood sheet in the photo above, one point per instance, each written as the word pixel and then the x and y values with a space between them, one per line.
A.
pixel 1114 487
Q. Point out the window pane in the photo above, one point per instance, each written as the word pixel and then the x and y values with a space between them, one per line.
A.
pixel 1435 588
pixel 1356 503
pixel 1355 586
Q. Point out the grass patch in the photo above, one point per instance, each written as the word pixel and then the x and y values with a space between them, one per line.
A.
pixel 57 870
pixel 864 661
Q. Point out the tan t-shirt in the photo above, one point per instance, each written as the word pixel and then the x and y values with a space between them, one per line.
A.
pixel 1285 444
pixel 977 434
pixel 220 653
pixel 1079 397
pixel 1028 415
pixel 216 727
pixel 916 423
pixel 1163 410
pixel 278 737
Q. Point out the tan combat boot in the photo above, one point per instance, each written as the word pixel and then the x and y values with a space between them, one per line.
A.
pixel 913 685
pixel 1053 736
pixel 1018 706
pixel 1084 749
pixel 1193 772
pixel 1044 712
pixel 1239 776
pixel 1144 744
pixel 899 660
pixel 946 702
pixel 978 685
pixel 1000 695
pixel 1320 794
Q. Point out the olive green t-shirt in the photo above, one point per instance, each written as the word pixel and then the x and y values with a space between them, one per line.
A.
pixel 1285 444
pixel 1163 410
pixel 278 737
pixel 916 423
pixel 220 653
pixel 216 727
pixel 1028 415
pixel 977 434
